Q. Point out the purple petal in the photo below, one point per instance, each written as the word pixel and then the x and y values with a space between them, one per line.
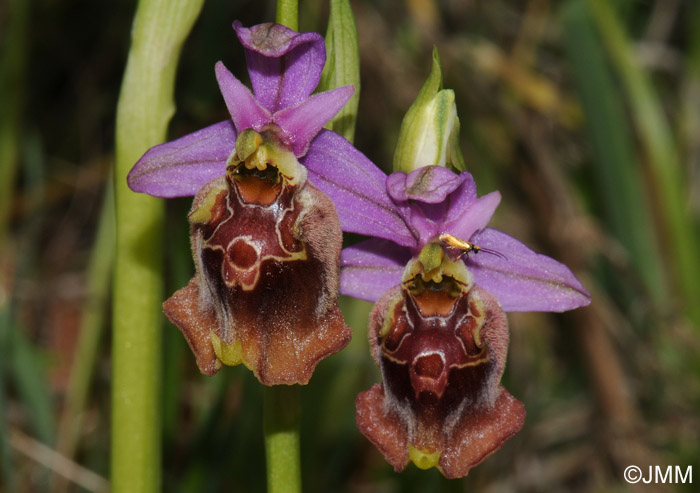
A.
pixel 372 267
pixel 300 124
pixel 431 184
pixel 524 281
pixel 284 66
pixel 473 218
pixel 463 196
pixel 244 109
pixel 423 223
pixel 356 186
pixel 181 167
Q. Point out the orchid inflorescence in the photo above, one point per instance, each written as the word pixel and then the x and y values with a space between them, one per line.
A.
pixel 273 190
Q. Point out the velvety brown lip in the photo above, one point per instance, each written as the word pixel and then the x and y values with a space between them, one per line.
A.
pixel 441 399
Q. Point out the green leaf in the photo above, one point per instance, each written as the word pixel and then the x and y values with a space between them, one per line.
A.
pixel 29 376
pixel 145 106
pixel 92 323
pixel 665 164
pixel 342 65
pixel 615 163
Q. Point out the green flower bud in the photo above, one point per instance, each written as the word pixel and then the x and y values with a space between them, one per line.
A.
pixel 430 130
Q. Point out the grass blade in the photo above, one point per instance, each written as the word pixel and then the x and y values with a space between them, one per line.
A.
pixel 625 204
pixel 663 156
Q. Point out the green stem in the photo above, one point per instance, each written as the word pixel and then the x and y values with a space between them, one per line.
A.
pixel 281 417
pixel 282 410
pixel 288 13
pixel 144 110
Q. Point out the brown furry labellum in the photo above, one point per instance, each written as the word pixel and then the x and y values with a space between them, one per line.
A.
pixel 266 245
pixel 441 344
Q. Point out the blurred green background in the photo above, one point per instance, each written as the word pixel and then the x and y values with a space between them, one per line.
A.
pixel 585 114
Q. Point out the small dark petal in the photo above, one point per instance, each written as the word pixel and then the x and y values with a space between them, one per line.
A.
pixel 246 112
pixel 474 218
pixel 301 123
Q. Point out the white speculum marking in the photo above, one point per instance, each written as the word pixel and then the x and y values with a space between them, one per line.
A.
pixel 425 354
pixel 256 245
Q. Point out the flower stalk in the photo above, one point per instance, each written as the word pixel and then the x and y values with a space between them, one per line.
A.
pixel 144 110
pixel 281 407
pixel 281 417
pixel 288 13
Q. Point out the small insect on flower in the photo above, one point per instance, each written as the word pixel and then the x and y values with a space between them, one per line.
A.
pixel 440 342
pixel 466 247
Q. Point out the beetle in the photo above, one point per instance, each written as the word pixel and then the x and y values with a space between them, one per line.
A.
pixel 465 246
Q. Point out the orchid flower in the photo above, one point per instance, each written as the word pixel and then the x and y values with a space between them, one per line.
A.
pixel 265 241
pixel 438 331
pixel 440 342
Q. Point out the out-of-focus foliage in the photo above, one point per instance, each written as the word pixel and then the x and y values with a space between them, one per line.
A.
pixel 551 115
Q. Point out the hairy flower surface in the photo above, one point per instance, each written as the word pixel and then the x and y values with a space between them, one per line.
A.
pixel 441 343
pixel 265 241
